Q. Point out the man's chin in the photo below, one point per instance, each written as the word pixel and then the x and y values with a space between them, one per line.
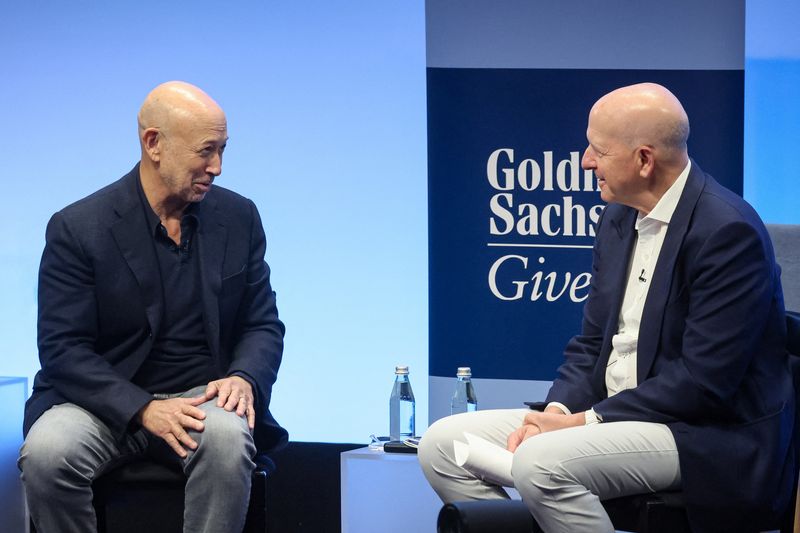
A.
pixel 196 197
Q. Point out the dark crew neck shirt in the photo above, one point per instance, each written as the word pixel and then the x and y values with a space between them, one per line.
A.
pixel 180 358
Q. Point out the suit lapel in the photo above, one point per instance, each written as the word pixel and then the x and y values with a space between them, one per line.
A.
pixel 617 255
pixel 138 252
pixel 655 305
pixel 211 243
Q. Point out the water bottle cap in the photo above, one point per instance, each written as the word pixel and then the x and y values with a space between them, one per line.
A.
pixel 464 372
pixel 401 370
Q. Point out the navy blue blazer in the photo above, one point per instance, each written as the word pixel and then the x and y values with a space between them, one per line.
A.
pixel 712 362
pixel 100 305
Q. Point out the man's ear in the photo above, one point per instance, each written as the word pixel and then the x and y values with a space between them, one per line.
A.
pixel 151 142
pixel 645 158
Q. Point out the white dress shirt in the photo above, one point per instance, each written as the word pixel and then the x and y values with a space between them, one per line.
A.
pixel 650 233
pixel 651 229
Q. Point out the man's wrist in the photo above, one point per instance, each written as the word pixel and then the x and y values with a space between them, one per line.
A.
pixel 244 376
pixel 591 417
pixel 138 418
pixel 552 406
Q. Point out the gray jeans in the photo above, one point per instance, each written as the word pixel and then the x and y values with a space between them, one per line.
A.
pixel 68 447
pixel 562 475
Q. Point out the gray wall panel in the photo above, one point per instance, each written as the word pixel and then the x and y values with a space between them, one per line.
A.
pixel 587 34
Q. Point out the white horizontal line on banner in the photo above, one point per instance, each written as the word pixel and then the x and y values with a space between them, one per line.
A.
pixel 511 245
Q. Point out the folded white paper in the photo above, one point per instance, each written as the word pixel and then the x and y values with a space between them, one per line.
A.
pixel 488 461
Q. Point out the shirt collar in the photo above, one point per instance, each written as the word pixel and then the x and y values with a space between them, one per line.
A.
pixel 666 205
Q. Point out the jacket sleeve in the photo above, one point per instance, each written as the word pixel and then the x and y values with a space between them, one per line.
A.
pixel 258 344
pixel 574 385
pixel 68 331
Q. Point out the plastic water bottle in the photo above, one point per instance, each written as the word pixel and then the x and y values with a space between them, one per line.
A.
pixel 401 406
pixel 464 399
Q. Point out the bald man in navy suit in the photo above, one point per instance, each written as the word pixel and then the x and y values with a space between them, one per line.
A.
pixel 158 331
pixel 679 378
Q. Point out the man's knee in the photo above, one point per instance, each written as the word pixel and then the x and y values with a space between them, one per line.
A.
pixel 57 447
pixel 437 442
pixel 491 425
pixel 42 456
pixel 538 463
pixel 225 439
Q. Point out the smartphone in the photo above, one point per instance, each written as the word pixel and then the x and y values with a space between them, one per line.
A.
pixel 397 446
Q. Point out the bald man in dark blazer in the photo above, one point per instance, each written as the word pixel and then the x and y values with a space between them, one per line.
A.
pixel 158 329
pixel 679 377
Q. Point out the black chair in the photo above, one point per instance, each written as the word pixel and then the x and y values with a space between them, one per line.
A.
pixel 659 512
pixel 652 513
pixel 146 496
pixel 648 513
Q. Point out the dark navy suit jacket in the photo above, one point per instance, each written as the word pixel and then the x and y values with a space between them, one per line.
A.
pixel 711 360
pixel 100 305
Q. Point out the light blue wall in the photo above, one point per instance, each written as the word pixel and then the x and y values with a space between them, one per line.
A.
pixel 326 109
pixel 772 109
pixel 326 113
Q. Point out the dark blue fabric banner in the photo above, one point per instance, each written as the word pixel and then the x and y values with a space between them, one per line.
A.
pixel 512 214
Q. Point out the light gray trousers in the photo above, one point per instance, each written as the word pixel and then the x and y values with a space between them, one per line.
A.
pixel 562 475
pixel 68 447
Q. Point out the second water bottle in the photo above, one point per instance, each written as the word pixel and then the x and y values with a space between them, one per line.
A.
pixel 401 406
pixel 464 399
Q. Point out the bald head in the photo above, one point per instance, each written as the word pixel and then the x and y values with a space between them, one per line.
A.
pixel 644 114
pixel 637 144
pixel 173 104
pixel 183 133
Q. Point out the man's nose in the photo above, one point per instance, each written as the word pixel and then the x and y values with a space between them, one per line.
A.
pixel 215 165
pixel 587 161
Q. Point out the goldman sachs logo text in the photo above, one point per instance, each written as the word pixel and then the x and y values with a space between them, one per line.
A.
pixel 544 212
